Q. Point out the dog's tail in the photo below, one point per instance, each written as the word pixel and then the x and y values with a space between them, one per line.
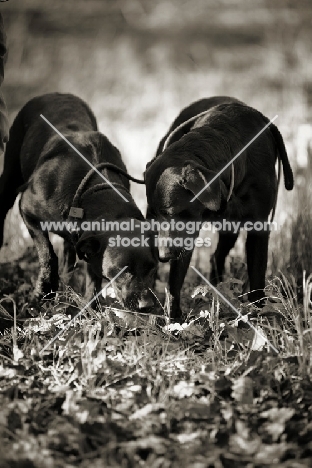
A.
pixel 11 178
pixel 288 173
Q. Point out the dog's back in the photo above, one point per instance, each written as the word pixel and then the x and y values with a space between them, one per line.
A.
pixel 66 112
pixel 228 116
pixel 191 111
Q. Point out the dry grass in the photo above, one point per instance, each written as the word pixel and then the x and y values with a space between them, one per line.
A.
pixel 119 395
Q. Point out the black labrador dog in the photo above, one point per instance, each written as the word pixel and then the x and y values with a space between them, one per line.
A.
pixel 57 184
pixel 202 140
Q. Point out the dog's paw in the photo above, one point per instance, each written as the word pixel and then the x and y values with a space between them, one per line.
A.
pixel 176 314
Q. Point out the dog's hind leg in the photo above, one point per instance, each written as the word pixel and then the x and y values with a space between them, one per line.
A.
pixel 11 178
pixel 7 198
pixel 47 281
pixel 257 258
pixel 9 183
pixel 225 244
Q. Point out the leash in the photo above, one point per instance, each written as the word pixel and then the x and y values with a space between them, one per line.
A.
pixel 183 124
pixel 122 172
pixel 90 173
pixel 232 183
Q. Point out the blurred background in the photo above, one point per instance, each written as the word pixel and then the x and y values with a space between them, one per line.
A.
pixel 138 63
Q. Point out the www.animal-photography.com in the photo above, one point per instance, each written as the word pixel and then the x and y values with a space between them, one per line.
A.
pixel 155 233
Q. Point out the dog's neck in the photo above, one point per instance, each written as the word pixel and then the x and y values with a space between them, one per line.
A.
pixel 78 211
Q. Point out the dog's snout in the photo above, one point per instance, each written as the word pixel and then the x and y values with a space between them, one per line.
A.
pixel 142 300
pixel 145 303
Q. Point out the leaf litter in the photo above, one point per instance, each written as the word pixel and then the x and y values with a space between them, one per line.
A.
pixel 120 389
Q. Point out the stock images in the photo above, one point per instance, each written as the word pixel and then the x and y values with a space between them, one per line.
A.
pixel 155 231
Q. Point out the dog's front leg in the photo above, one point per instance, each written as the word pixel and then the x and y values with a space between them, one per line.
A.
pixel 257 258
pixel 47 281
pixel 93 285
pixel 72 276
pixel 69 257
pixel 178 269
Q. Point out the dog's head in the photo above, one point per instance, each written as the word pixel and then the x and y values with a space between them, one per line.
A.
pixel 182 193
pixel 109 253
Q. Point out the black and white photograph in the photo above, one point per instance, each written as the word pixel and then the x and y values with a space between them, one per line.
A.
pixel 155 233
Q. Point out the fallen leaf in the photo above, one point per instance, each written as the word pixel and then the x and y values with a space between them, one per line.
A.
pixel 277 419
pixel 242 390
pixel 143 412
pixel 184 389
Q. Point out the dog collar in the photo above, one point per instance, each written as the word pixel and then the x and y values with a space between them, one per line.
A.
pixel 232 183
pixel 76 212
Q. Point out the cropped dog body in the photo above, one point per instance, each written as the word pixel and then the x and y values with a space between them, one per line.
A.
pixel 245 191
pixel 51 174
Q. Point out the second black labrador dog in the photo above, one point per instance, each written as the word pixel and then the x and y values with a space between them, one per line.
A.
pixel 203 139
pixel 58 185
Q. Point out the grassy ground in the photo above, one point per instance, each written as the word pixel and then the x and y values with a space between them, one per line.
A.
pixel 123 390
pixel 117 389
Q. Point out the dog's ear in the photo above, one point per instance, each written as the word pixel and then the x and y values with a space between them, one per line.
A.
pixel 88 248
pixel 195 178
